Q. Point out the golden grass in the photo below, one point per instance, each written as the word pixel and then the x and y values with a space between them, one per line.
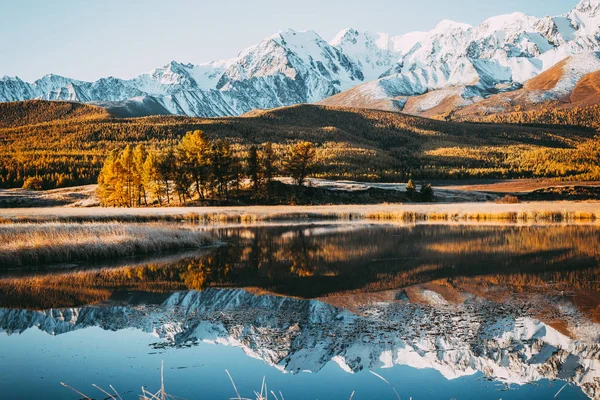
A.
pixel 507 216
pixel 508 199
pixel 250 215
pixel 34 244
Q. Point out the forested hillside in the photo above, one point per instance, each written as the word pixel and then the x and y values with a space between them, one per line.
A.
pixel 37 111
pixel 65 144
pixel 550 114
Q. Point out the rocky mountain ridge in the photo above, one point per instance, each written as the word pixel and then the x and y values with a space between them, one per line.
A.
pixel 465 62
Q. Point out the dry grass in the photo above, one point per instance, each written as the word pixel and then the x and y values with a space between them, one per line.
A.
pixel 508 199
pixel 247 215
pixel 161 394
pixel 34 244
pixel 509 216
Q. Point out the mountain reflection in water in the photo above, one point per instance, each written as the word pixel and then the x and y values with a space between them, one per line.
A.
pixel 518 304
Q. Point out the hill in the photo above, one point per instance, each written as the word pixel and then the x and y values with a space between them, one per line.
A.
pixel 68 148
pixel 36 112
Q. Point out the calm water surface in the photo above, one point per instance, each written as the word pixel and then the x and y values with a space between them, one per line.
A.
pixel 439 311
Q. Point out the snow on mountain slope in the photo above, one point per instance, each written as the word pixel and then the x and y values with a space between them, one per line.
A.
pixel 374 53
pixel 290 57
pixel 292 67
pixel 499 55
pixel 14 89
pixel 574 81
pixel 207 75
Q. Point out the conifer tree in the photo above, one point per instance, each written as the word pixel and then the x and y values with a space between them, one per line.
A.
pixel 253 168
pixel 410 188
pixel 299 161
pixel 111 189
pixel 182 177
pixel 151 179
pixel 139 157
pixel 221 159
pixel 193 152
pixel 166 168
pixel 268 167
pixel 128 165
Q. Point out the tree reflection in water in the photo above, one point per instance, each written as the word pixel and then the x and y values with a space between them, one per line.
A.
pixel 312 261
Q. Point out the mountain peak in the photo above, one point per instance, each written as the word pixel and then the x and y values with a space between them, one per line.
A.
pixel 172 68
pixel 53 77
pixel 449 25
pixel 345 35
pixel 174 65
pixel 588 6
pixel 294 35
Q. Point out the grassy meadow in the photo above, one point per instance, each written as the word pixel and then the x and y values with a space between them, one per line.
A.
pixel 26 244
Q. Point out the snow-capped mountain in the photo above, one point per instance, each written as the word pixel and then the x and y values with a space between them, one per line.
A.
pixel 466 63
pixel 573 82
pixel 304 335
pixel 459 64
pixel 287 68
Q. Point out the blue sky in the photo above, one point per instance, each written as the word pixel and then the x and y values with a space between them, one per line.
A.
pixel 123 38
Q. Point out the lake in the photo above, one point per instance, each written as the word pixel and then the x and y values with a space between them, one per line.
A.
pixel 319 311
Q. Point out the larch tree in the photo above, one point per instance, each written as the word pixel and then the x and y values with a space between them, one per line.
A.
pixel 253 168
pixel 299 161
pixel 111 187
pixel 128 165
pixel 268 159
pixel 166 168
pixel 151 179
pixel 221 157
pixel 140 154
pixel 193 152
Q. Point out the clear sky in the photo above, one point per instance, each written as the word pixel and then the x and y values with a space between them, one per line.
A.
pixel 89 39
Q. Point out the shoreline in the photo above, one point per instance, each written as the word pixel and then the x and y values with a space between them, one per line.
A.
pixel 558 211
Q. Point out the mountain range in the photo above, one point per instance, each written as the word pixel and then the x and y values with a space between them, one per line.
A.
pixel 452 66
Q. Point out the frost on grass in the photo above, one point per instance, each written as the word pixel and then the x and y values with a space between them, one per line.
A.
pixel 34 244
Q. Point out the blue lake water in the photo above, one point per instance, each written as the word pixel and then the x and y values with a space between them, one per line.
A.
pixel 489 313
pixel 40 361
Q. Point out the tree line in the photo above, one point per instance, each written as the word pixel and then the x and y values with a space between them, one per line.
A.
pixel 199 169
pixel 55 144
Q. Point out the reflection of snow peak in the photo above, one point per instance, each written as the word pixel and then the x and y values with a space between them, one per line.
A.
pixel 299 335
